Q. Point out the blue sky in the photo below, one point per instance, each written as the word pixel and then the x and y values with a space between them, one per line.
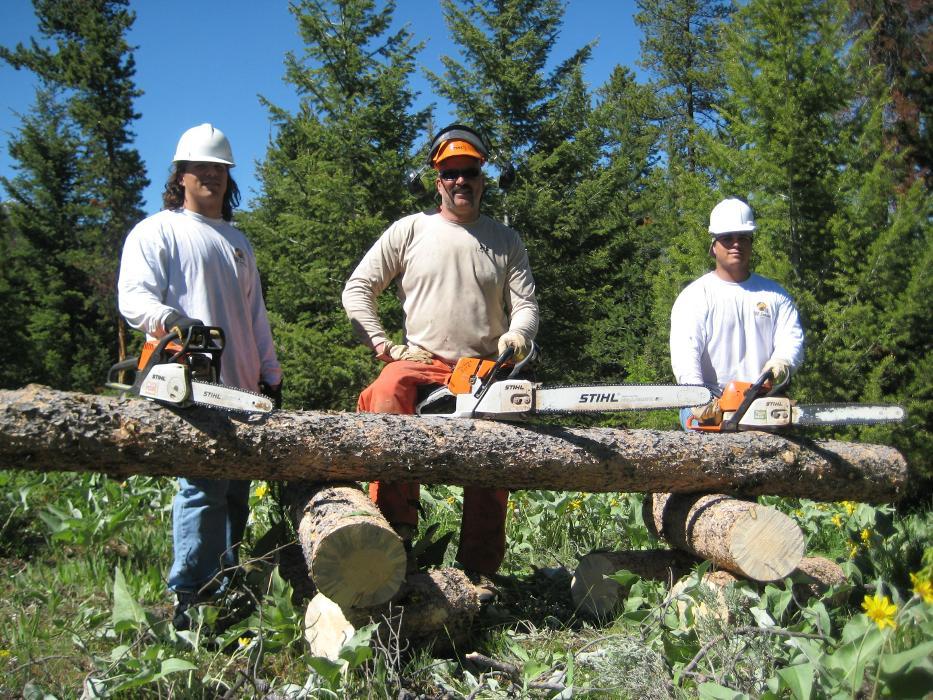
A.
pixel 200 61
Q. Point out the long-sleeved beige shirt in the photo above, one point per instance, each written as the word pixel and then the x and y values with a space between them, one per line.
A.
pixel 461 286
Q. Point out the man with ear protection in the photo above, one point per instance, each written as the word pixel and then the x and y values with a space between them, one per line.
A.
pixel 467 291
pixel 732 324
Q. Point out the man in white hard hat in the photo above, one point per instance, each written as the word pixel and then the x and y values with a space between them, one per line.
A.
pixel 187 265
pixel 732 324
pixel 467 291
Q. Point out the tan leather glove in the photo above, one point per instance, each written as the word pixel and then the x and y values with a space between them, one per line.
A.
pixel 780 369
pixel 708 413
pixel 517 342
pixel 412 353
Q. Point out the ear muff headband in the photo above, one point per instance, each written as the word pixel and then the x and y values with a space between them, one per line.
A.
pixel 460 132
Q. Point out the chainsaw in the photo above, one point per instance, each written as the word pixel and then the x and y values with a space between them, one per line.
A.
pixel 759 405
pixel 183 371
pixel 474 390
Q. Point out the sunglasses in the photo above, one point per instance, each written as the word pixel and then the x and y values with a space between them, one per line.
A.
pixel 731 239
pixel 453 174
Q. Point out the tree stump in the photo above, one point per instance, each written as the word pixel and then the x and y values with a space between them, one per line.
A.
pixel 752 540
pixel 436 607
pixel 353 555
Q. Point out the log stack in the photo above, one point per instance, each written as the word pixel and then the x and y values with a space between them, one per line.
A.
pixel 358 564
pixel 743 539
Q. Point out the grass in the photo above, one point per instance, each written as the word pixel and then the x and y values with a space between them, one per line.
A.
pixel 85 609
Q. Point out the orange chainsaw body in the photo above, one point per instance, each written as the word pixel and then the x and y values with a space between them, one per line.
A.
pixel 729 402
pixel 466 370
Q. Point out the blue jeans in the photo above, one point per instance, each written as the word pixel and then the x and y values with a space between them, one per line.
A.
pixel 685 414
pixel 208 521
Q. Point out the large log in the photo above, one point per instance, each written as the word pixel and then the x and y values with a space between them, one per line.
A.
pixel 597 595
pixel 436 607
pixel 353 555
pixel 746 538
pixel 47 430
pixel 594 593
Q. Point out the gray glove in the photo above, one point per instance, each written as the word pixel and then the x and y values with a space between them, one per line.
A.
pixel 780 369
pixel 412 353
pixel 708 412
pixel 517 342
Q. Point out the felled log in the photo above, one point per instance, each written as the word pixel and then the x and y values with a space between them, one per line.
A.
pixel 596 595
pixel 601 597
pixel 353 555
pixel 755 541
pixel 47 430
pixel 436 608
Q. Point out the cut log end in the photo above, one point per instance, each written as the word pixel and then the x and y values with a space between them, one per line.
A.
pixel 766 545
pixel 359 565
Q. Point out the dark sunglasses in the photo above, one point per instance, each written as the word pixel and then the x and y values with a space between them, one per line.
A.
pixel 452 174
pixel 731 239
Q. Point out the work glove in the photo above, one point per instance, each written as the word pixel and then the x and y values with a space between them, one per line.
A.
pixel 708 412
pixel 780 370
pixel 412 353
pixel 177 323
pixel 517 342
pixel 273 392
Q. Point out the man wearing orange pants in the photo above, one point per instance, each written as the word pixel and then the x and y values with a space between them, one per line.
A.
pixel 467 291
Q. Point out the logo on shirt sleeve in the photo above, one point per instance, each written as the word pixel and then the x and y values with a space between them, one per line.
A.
pixel 240 256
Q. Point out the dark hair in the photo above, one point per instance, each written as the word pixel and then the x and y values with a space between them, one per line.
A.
pixel 173 196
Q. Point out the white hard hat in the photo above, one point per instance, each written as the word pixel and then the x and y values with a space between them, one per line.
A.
pixel 731 216
pixel 204 143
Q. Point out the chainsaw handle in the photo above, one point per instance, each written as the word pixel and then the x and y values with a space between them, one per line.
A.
pixel 117 370
pixel 490 378
pixel 731 424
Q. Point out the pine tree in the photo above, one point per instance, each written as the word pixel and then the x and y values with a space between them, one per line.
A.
pixel 76 159
pixel 680 49
pixel 332 181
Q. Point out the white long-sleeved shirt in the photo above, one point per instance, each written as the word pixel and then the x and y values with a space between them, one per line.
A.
pixel 178 260
pixel 723 331
pixel 461 285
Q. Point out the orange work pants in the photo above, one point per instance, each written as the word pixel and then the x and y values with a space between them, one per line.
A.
pixel 482 529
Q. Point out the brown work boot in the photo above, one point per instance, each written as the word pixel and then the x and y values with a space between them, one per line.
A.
pixel 484 586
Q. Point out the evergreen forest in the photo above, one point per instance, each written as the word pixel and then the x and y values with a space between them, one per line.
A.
pixel 816 112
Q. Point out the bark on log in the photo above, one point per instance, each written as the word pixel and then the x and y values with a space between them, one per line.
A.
pixel 47 430
pixel 598 596
pixel 353 555
pixel 437 608
pixel 755 541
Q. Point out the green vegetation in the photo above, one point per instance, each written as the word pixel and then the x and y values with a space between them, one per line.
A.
pixel 812 109
pixel 86 607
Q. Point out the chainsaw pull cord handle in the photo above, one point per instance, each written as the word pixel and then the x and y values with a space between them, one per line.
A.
pixel 501 360
pixel 731 424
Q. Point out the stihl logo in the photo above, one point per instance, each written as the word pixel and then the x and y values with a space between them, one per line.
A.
pixel 598 398
pixel 158 377
pixel 212 395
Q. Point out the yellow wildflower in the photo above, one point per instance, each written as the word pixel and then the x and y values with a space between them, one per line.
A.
pixel 923 587
pixel 262 490
pixel 613 503
pixel 853 550
pixel 880 609
pixel 849 506
pixel 451 500
pixel 836 520
pixel 244 641
pixel 4 653
pixel 576 504
pixel 798 513
pixel 865 535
